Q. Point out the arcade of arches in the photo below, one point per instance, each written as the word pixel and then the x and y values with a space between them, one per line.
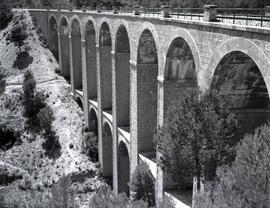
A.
pixel 127 95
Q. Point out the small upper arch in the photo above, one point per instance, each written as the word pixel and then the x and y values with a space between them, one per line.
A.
pixel 149 27
pixel 183 34
pixel 73 19
pixel 63 20
pixel 89 20
pixel 105 22
pixel 123 25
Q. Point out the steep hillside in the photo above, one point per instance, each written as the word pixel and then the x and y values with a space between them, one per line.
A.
pixel 24 167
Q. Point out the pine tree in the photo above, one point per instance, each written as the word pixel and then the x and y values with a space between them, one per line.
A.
pixel 197 136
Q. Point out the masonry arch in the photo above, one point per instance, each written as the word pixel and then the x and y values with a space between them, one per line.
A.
pixel 180 71
pixel 93 121
pixel 79 102
pixel 147 72
pixel 107 153
pixel 76 53
pixel 64 42
pixel 123 168
pixel 105 58
pixel 239 78
pixel 91 59
pixel 53 37
pixel 122 77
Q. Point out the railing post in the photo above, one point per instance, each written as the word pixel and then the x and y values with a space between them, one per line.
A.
pixel 136 10
pixel 115 10
pixel 210 13
pixel 165 11
pixel 267 11
pixel 98 9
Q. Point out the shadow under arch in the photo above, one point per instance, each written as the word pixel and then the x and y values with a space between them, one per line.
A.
pixel 238 78
pixel 93 121
pixel 76 53
pixel 147 72
pixel 53 37
pixel 91 60
pixel 180 71
pixel 123 168
pixel 122 76
pixel 64 43
pixel 105 62
pixel 107 155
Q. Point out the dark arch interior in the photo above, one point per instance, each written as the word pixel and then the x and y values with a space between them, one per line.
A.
pixel 147 72
pixel 76 54
pixel 53 37
pixel 180 71
pixel 91 60
pixel 79 102
pixel 105 48
pixel 123 169
pixel 239 79
pixel 64 40
pixel 93 121
pixel 122 72
pixel 107 151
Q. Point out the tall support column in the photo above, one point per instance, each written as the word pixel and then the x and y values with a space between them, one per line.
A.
pixel 133 117
pixel 71 66
pixel 85 84
pixel 60 52
pixel 115 130
pixel 100 114
pixel 160 176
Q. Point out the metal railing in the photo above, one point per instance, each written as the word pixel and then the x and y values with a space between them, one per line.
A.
pixel 240 16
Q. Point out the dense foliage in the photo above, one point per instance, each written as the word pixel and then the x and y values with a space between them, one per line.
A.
pixel 39 115
pixel 197 136
pixel 142 184
pixel 5 13
pixel 246 183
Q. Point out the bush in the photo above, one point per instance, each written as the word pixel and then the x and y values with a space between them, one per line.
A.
pixel 246 183
pixel 23 60
pixel 90 146
pixel 18 35
pixel 142 184
pixel 5 14
pixel 105 197
pixel 8 137
pixel 51 145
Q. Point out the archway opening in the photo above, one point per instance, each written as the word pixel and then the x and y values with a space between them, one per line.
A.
pixel 53 38
pixel 105 48
pixel 76 54
pixel 180 74
pixel 79 102
pixel 93 122
pixel 91 60
pixel 64 40
pixel 147 72
pixel 122 75
pixel 238 78
pixel 123 169
pixel 107 155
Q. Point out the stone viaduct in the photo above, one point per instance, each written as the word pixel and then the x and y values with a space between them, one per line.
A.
pixel 126 70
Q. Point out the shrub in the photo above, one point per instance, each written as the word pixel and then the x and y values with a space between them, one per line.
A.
pixel 5 14
pixel 29 86
pixel 105 197
pixel 90 146
pixel 18 35
pixel 51 145
pixel 197 137
pixel 142 184
pixel 246 183
pixel 8 137
pixel 23 60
